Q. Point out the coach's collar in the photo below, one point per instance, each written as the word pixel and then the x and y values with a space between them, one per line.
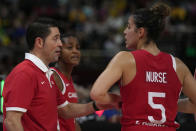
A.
pixel 38 62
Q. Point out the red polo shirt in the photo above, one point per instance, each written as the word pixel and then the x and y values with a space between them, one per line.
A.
pixel 30 89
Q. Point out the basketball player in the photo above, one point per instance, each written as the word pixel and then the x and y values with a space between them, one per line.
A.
pixel 151 80
pixel 69 58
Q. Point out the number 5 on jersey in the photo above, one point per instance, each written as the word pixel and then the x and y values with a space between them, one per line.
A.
pixel 152 95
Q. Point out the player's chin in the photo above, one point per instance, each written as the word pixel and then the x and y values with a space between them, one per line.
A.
pixel 75 63
pixel 127 45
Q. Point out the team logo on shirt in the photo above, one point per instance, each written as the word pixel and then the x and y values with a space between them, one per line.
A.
pixel 72 95
pixel 143 123
pixel 66 84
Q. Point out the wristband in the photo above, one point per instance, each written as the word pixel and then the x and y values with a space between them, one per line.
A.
pixel 120 104
pixel 95 107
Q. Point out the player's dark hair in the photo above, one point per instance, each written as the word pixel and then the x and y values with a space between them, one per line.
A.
pixel 152 19
pixel 39 28
pixel 67 35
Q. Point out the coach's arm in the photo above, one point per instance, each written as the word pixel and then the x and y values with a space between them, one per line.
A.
pixel 13 121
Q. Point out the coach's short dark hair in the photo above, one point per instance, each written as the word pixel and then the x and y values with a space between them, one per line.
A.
pixel 39 28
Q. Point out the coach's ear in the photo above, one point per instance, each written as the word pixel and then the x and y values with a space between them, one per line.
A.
pixel 39 43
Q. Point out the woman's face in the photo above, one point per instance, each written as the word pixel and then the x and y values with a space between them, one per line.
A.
pixel 70 53
pixel 131 34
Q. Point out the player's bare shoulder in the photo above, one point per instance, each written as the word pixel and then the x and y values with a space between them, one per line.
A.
pixel 58 81
pixel 125 57
pixel 181 69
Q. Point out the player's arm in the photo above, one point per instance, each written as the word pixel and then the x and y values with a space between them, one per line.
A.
pixel 73 110
pixel 186 106
pixel 13 121
pixel 109 77
pixel 189 88
pixel 58 81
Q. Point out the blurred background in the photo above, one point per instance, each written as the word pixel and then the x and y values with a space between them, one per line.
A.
pixel 99 25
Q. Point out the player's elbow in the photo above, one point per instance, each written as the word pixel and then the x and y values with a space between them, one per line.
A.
pixel 96 95
pixel 93 95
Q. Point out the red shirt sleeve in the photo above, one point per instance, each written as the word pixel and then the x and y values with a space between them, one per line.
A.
pixel 19 90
